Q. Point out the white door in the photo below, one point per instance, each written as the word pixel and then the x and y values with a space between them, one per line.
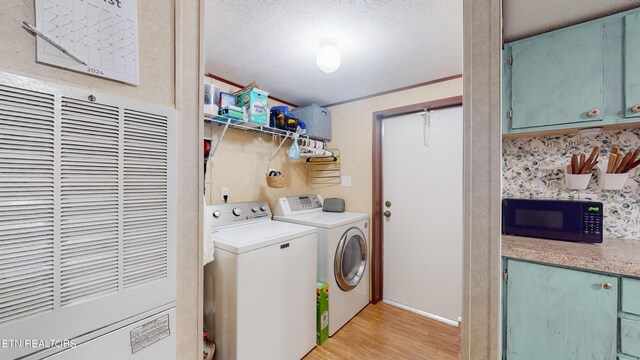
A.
pixel 422 179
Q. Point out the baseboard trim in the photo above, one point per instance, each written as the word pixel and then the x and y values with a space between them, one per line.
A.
pixel 420 312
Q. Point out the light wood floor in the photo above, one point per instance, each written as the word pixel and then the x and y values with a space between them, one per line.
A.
pixel 383 331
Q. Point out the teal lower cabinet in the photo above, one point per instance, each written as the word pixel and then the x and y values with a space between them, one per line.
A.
pixel 625 357
pixel 631 296
pixel 630 337
pixel 630 320
pixel 554 313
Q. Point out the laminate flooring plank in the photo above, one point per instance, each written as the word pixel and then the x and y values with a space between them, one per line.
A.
pixel 386 332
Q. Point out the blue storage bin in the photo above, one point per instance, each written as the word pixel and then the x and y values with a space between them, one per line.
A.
pixel 317 119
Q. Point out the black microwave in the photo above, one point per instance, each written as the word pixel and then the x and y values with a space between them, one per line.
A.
pixel 566 220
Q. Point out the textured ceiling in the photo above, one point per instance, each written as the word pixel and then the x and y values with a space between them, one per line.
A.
pixel 523 18
pixel 385 45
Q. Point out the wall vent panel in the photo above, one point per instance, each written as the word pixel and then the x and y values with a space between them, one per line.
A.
pixel 145 197
pixel 89 199
pixel 27 128
pixel 87 211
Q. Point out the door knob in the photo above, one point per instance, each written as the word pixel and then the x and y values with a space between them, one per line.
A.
pixel 635 108
pixel 593 112
pixel 387 203
pixel 607 286
pixel 387 213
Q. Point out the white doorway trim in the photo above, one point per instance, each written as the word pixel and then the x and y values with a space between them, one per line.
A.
pixel 420 312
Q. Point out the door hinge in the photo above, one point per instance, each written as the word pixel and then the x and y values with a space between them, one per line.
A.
pixel 510 60
pixel 510 114
pixel 505 275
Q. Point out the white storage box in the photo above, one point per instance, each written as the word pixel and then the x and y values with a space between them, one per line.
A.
pixel 317 119
pixel 211 96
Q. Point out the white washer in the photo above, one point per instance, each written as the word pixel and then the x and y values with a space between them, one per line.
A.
pixel 343 253
pixel 260 291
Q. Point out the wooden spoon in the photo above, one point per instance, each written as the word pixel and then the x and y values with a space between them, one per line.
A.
pixel 624 162
pixel 590 161
pixel 575 168
pixel 612 162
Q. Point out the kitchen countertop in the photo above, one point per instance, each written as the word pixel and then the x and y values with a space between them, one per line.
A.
pixel 617 256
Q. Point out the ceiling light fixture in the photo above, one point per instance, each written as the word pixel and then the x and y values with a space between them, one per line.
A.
pixel 328 58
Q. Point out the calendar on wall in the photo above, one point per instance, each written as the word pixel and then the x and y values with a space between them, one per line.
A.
pixel 101 34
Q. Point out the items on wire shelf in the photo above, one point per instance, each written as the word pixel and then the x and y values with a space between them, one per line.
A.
pixel 313 148
pixel 308 147
pixel 325 169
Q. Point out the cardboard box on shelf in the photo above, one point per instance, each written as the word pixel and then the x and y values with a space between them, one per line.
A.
pixel 255 104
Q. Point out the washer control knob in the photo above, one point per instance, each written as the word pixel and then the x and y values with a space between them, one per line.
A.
pixel 264 207
pixel 254 209
pixel 237 211
pixel 216 214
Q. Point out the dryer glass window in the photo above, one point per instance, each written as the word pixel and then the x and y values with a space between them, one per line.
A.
pixel 351 259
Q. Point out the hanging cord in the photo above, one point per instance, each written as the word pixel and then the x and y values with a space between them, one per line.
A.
pixel 426 127
pixel 273 155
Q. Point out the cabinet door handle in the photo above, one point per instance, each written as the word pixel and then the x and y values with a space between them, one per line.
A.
pixel 593 112
pixel 607 286
pixel 635 108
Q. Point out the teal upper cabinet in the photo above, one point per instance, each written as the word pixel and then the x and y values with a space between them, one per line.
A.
pixel 553 81
pixel 557 78
pixel 559 314
pixel 632 65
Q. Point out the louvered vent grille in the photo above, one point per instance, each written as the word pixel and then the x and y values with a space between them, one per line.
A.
pixel 145 197
pixel 87 211
pixel 89 215
pixel 27 156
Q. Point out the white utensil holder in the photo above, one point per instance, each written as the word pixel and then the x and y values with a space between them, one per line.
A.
pixel 611 181
pixel 576 181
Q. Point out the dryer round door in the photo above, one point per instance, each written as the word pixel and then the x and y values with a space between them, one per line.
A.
pixel 351 259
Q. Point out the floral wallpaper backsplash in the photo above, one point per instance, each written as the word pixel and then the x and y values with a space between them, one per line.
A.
pixel 534 168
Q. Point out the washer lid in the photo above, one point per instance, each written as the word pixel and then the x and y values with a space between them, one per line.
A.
pixel 240 239
pixel 323 219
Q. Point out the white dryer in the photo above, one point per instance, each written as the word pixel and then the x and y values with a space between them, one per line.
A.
pixel 259 292
pixel 343 253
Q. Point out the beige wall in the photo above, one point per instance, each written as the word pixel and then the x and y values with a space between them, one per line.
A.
pixel 189 38
pixel 241 163
pixel 482 313
pixel 161 22
pixel 352 126
pixel 156 47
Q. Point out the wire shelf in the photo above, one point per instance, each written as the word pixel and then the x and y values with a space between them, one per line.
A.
pixel 221 120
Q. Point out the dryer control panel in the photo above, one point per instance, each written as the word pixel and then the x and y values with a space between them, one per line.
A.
pixel 299 204
pixel 223 215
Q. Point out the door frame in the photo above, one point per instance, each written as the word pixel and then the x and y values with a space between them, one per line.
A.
pixel 377 233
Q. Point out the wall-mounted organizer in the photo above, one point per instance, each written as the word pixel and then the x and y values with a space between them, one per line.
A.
pixel 324 170
pixel 576 181
pixel 611 181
